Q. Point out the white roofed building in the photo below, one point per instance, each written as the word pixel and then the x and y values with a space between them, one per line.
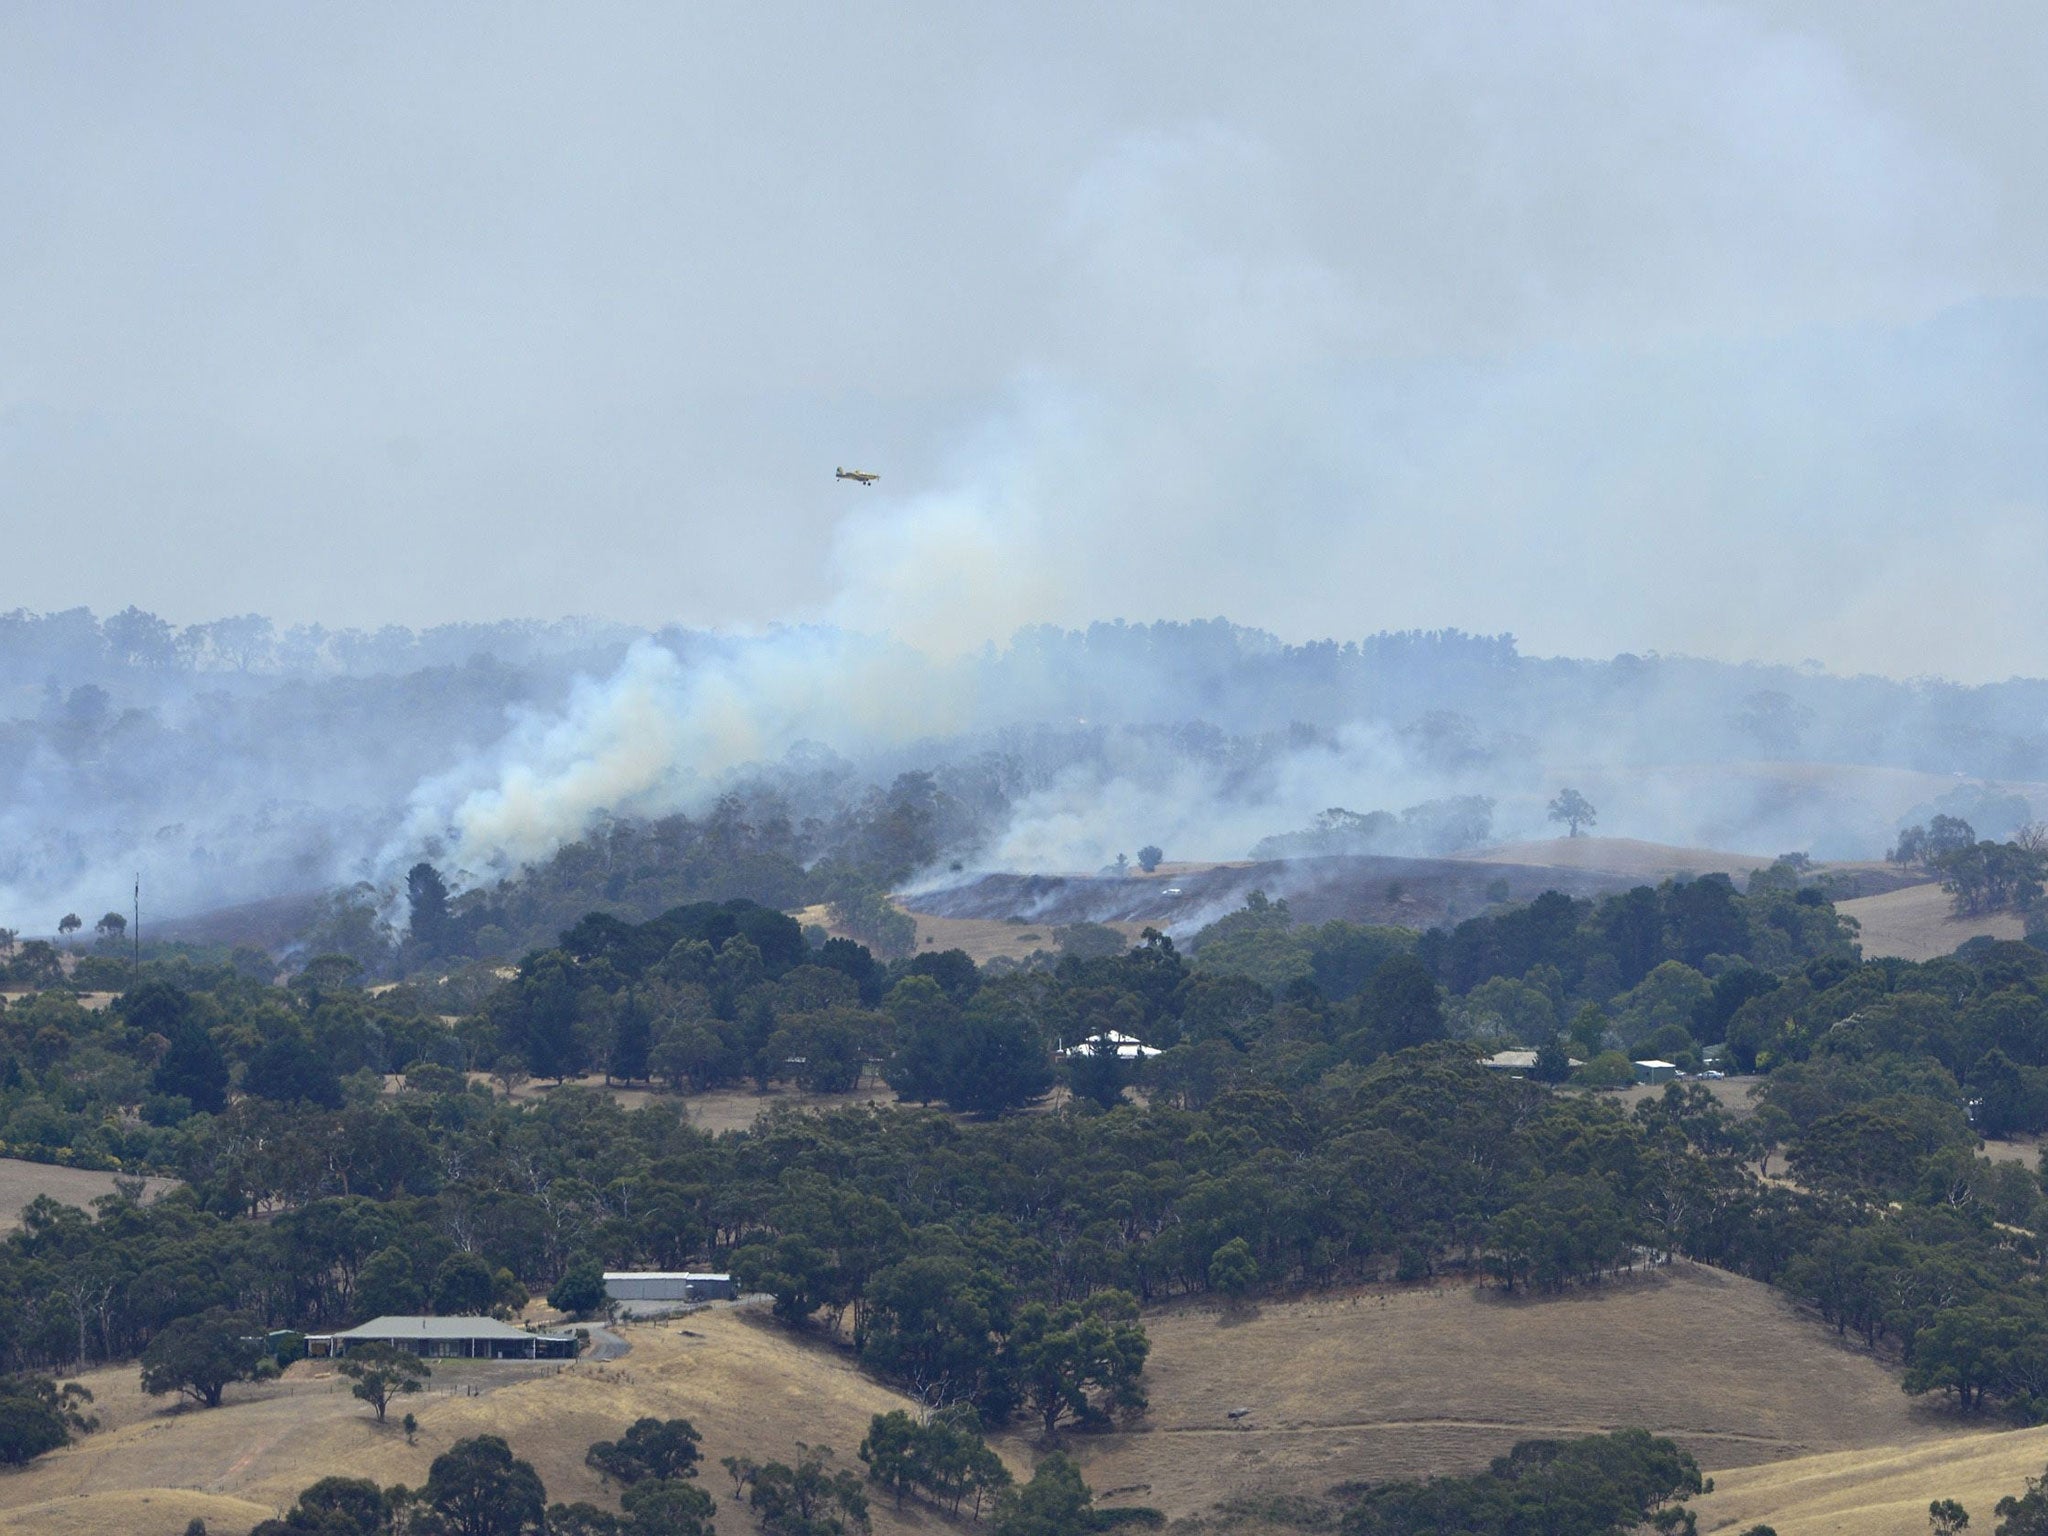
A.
pixel 1127 1047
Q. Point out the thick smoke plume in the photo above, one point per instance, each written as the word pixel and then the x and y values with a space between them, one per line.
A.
pixel 225 764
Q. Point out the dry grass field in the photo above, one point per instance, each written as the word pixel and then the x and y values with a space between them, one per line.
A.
pixel 1880 1491
pixel 1409 1382
pixel 1732 1093
pixel 1811 1436
pixel 748 1388
pixel 984 939
pixel 21 1182
pixel 716 1110
pixel 1915 923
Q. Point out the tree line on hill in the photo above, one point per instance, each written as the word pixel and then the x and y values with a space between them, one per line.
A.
pixel 1980 875
pixel 1324 1120
pixel 479 1487
pixel 1591 1485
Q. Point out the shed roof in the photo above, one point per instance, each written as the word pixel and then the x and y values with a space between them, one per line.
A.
pixel 660 1274
pixel 438 1328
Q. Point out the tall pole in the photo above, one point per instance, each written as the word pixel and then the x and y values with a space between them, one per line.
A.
pixel 138 928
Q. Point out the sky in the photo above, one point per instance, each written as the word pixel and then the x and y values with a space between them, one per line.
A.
pixel 1642 326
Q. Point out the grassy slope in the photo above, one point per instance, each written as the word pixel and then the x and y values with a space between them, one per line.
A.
pixel 1915 923
pixel 1882 1491
pixel 1410 1382
pixel 749 1390
pixel 1340 1386
pixel 21 1182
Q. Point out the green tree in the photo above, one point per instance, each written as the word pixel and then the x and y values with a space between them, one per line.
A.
pixel 1098 1074
pixel 427 902
pixel 334 1506
pixel 381 1373
pixel 1233 1270
pixel 1149 857
pixel 665 1507
pixel 1054 1503
pixel 632 1043
pixel 385 1286
pixel 194 1067
pixel 662 1449
pixel 581 1288
pixel 925 1020
pixel 1964 1350
pixel 807 1499
pixel 37 1415
pixel 463 1286
pixel 2026 1514
pixel 1574 810
pixel 1080 1361
pixel 581 1519
pixel 200 1354
pixel 478 1488
pixel 998 1059
pixel 1946 1517
pixel 287 1069
pixel 1402 1006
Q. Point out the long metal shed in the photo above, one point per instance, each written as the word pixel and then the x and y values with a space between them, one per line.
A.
pixel 668 1285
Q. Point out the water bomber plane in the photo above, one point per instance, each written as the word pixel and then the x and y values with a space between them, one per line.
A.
pixel 863 476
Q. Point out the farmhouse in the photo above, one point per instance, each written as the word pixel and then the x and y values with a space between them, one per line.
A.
pixel 1655 1071
pixel 1126 1047
pixel 447 1338
pixel 1521 1063
pixel 667 1285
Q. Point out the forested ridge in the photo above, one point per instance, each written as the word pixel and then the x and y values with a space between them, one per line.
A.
pixel 1317 1115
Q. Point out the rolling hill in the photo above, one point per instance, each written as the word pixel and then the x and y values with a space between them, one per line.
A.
pixel 1339 1386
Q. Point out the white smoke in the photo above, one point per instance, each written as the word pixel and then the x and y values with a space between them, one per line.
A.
pixel 660 735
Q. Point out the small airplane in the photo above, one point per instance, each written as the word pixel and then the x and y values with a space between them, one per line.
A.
pixel 862 475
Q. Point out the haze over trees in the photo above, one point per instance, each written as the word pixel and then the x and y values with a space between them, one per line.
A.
pixel 265 762
pixel 1315 1115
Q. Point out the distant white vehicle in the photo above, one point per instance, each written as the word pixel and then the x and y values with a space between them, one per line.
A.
pixel 1171 890
pixel 1713 1077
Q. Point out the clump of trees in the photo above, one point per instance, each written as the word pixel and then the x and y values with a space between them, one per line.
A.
pixel 38 1415
pixel 942 1460
pixel 1595 1485
pixel 661 1449
pixel 804 1498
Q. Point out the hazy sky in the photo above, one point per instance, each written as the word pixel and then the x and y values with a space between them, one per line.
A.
pixel 1622 326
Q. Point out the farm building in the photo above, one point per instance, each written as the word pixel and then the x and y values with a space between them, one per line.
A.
pixel 1656 1071
pixel 1521 1063
pixel 1127 1047
pixel 668 1285
pixel 447 1338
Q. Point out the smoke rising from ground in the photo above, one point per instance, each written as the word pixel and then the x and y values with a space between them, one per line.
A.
pixel 1680 328
pixel 230 763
